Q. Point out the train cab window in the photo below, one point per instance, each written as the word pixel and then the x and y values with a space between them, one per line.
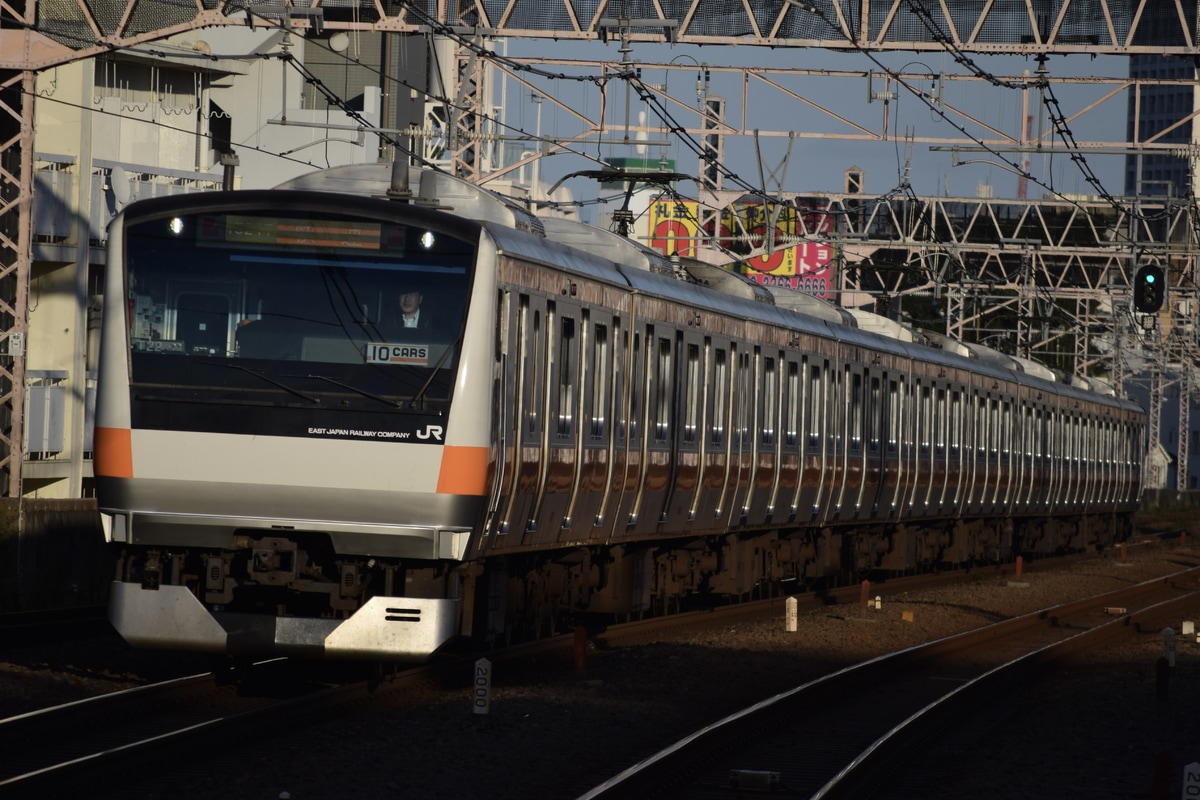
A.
pixel 566 376
pixel 692 384
pixel 288 303
pixel 601 372
pixel 720 395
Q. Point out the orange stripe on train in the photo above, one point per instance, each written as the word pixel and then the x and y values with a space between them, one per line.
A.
pixel 114 452
pixel 464 470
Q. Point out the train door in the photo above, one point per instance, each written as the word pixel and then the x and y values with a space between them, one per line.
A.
pixel 960 456
pixel 527 413
pixel 906 434
pixel 562 410
pixel 593 427
pixel 939 450
pixel 832 420
pixel 628 465
pixel 506 397
pixel 973 452
pixel 991 482
pixel 741 453
pixel 1004 493
pixel 878 470
pixel 615 430
pixel 1054 457
pixel 922 433
pixel 1044 471
pixel 812 460
pixel 659 387
pixel 784 493
pixel 688 402
pixel 1022 460
pixel 893 452
pixel 718 387
pixel 764 438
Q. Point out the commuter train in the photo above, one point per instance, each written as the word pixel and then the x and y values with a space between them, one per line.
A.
pixel 580 430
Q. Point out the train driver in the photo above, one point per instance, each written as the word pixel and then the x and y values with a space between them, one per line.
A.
pixel 411 313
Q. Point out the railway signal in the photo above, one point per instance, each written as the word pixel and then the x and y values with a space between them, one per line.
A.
pixel 1149 289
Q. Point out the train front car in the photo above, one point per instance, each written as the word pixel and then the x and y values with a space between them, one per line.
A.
pixel 283 464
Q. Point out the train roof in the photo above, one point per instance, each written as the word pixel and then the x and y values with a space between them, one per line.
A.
pixel 610 257
pixel 438 190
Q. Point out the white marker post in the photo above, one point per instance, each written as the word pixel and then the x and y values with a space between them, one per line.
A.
pixel 1191 781
pixel 791 614
pixel 483 686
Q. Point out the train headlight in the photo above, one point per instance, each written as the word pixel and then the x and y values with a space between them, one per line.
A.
pixel 427 240
pixel 176 225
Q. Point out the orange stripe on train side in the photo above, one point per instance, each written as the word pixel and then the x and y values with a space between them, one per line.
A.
pixel 464 470
pixel 114 452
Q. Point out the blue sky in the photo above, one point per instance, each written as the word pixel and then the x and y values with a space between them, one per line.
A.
pixel 818 165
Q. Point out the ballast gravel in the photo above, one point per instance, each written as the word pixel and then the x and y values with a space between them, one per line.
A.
pixel 1097 729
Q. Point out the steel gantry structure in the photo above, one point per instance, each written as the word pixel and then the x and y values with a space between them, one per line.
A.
pixel 38 35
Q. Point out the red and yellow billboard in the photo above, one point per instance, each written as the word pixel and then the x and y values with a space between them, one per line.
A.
pixel 808 267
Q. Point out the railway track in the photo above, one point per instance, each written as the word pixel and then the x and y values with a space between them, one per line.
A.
pixel 75 744
pixel 851 734
pixel 79 743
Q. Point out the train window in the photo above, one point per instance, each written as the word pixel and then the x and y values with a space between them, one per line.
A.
pixel 533 372
pixel 620 341
pixel 663 388
pixel 600 375
pixel 769 401
pixel 993 408
pixel 942 420
pixel 741 402
pixel 875 415
pixel 637 385
pixel 857 411
pixel 926 415
pixel 814 404
pixel 955 423
pixel 720 393
pixel 264 305
pixel 692 384
pixel 838 422
pixel 791 404
pixel 894 409
pixel 566 377
pixel 979 413
pixel 1006 427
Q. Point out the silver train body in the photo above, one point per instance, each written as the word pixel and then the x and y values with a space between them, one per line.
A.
pixel 590 430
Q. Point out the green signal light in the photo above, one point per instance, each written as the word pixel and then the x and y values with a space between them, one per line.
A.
pixel 1149 279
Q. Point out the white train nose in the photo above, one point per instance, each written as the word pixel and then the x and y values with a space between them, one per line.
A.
pixel 386 628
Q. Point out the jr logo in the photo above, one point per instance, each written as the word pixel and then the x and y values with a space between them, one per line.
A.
pixel 431 432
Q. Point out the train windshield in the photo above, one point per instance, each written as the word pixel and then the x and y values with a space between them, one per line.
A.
pixel 296 307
